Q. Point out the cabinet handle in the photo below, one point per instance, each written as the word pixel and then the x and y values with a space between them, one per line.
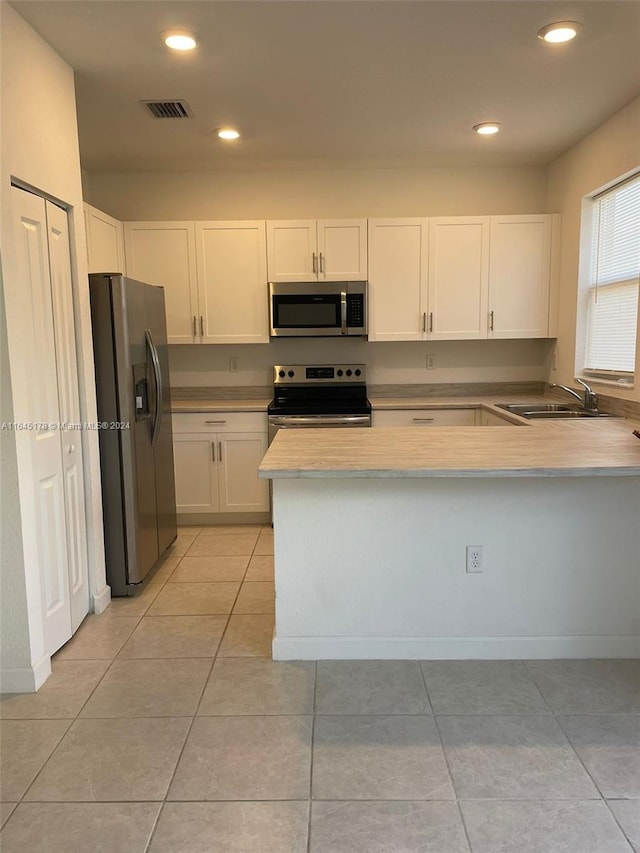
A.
pixel 213 451
pixel 423 420
pixel 491 321
pixel 220 451
pixel 424 322
pixel 201 326
pixel 431 321
pixel 314 262
pixel 215 422
pixel 321 262
pixel 195 328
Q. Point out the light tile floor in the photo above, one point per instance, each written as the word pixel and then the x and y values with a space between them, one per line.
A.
pixel 166 727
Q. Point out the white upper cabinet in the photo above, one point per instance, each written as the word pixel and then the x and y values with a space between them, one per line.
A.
pixel 232 282
pixel 398 279
pixel 471 278
pixel 519 276
pixel 292 250
pixel 342 249
pixel 165 253
pixel 105 241
pixel 458 277
pixel 214 275
pixel 310 250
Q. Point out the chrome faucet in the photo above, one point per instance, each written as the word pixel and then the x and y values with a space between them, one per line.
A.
pixel 590 399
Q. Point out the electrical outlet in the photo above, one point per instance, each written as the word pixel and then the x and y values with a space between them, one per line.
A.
pixel 431 361
pixel 554 366
pixel 474 559
pixel 233 364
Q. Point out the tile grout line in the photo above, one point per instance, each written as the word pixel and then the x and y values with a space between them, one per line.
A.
pixel 564 734
pixel 184 745
pixel 619 825
pixel 446 760
pixel 313 736
pixel 195 715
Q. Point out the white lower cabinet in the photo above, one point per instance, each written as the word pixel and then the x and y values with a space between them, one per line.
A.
pixel 485 418
pixel 216 462
pixel 424 417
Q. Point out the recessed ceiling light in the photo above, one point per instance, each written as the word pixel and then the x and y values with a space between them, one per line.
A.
pixel 559 32
pixel 227 133
pixel 179 40
pixel 487 128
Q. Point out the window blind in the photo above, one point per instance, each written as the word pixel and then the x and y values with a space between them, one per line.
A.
pixel 615 271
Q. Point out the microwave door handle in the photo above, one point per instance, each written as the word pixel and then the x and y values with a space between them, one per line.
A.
pixel 343 311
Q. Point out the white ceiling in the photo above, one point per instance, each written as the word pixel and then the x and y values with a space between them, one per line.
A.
pixel 335 83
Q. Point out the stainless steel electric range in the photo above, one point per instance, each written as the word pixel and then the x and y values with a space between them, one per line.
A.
pixel 324 395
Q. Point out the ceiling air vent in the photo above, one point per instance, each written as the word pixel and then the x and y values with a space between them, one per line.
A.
pixel 168 109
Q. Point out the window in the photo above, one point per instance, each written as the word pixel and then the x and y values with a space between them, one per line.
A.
pixel 613 282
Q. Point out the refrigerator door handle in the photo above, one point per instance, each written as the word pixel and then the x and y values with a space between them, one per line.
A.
pixel 155 361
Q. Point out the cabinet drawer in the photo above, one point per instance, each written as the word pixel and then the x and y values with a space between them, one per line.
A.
pixel 219 422
pixel 424 417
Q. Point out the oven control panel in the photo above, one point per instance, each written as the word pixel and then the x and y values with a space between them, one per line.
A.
pixel 308 374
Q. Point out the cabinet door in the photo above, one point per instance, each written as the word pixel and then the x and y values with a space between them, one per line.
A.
pixel 397 279
pixel 41 447
pixel 195 460
pixel 240 488
pixel 232 282
pixel 342 249
pixel 105 241
pixel 458 277
pixel 424 417
pixel 164 253
pixel 519 276
pixel 489 419
pixel 69 406
pixel 292 250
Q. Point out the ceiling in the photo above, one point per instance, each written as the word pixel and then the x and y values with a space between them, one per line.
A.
pixel 340 83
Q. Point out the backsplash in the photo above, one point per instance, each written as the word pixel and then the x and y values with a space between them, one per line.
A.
pixel 392 363
pixel 456 389
pixel 222 392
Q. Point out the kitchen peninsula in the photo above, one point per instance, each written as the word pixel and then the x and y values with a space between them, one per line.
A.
pixel 372 529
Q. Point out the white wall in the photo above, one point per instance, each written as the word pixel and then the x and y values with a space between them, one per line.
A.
pixel 318 194
pixel 39 147
pixel 560 574
pixel 610 151
pixel 387 363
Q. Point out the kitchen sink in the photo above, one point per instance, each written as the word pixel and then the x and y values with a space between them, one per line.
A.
pixel 535 416
pixel 521 408
pixel 544 411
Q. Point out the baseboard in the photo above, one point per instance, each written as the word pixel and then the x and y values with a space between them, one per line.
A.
pixel 186 519
pixel 101 600
pixel 453 648
pixel 26 679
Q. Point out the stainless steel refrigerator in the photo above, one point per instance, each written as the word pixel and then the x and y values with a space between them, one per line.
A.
pixel 134 411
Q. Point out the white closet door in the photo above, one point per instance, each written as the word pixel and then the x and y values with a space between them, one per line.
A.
pixel 69 407
pixel 46 458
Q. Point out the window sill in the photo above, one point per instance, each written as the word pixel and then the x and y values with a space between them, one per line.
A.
pixel 610 383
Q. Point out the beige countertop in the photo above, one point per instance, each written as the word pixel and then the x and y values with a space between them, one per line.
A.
pixel 467 402
pixel 561 448
pixel 224 404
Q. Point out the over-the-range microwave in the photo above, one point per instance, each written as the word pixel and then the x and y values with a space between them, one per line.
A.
pixel 317 309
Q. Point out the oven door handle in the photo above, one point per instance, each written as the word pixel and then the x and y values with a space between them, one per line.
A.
pixel 343 311
pixel 292 420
